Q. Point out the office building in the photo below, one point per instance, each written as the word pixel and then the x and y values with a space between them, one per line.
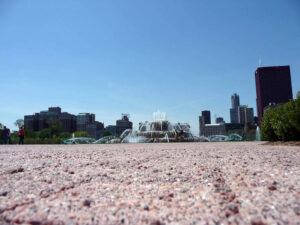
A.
pixel 206 116
pixel 220 120
pixel 111 129
pixel 123 124
pixel 210 129
pixel 273 86
pixel 245 114
pixel 235 103
pixel 43 120
pixel 241 114
pixel 95 129
pixel 84 119
pixel 67 122
pixel 234 115
pixel 255 120
pixel 207 130
pixel 87 122
pixel 249 115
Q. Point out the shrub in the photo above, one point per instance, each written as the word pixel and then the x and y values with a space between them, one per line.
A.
pixel 282 122
pixel 65 135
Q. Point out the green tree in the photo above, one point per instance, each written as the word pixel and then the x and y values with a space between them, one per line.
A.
pixel 289 127
pixel 65 135
pixel 19 123
pixel 55 128
pixel 45 134
pixel 106 133
pixel 267 131
pixel 81 134
pixel 31 134
pixel 14 138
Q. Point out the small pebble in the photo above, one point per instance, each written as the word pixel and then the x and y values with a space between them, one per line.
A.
pixel 4 193
pixel 87 202
pixel 146 207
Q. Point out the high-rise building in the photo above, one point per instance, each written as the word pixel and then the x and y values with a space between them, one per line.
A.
pixel 95 129
pixel 245 114
pixel 68 122
pixel 55 110
pixel 234 115
pixel 207 130
pixel 255 120
pixel 84 119
pixel 43 119
pixel 87 122
pixel 123 124
pixel 111 129
pixel 249 115
pixel 235 103
pixel 240 113
pixel 273 86
pixel 220 120
pixel 206 116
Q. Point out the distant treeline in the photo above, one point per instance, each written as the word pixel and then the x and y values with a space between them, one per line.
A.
pixel 282 122
pixel 51 135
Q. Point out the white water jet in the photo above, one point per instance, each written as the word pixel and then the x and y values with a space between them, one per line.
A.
pixel 257 134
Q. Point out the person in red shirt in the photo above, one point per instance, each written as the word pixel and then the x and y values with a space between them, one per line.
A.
pixel 21 135
pixel 5 135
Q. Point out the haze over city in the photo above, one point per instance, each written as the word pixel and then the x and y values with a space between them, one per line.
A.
pixel 108 58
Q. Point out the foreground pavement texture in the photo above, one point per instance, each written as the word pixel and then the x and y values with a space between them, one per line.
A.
pixel 186 183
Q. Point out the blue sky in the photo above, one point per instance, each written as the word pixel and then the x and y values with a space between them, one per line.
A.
pixel 133 56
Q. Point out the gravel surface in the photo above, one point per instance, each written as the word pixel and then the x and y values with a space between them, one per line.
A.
pixel 155 184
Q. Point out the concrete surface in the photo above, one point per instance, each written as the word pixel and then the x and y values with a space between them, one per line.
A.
pixel 187 183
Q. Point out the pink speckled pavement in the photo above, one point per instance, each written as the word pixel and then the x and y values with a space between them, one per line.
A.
pixel 186 183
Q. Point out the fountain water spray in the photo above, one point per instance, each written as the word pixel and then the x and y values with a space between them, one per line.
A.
pixel 159 130
pixel 257 134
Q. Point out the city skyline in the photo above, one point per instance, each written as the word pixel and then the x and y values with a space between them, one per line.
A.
pixel 193 129
pixel 137 58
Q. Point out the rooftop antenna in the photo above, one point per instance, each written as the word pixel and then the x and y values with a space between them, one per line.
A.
pixel 259 62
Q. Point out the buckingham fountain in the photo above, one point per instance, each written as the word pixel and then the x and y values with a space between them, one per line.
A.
pixel 159 130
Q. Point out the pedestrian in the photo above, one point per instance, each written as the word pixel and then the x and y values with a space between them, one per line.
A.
pixel 21 135
pixel 8 136
pixel 5 135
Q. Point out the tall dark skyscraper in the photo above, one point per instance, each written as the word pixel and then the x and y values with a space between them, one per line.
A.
pixel 206 116
pixel 235 103
pixel 273 86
